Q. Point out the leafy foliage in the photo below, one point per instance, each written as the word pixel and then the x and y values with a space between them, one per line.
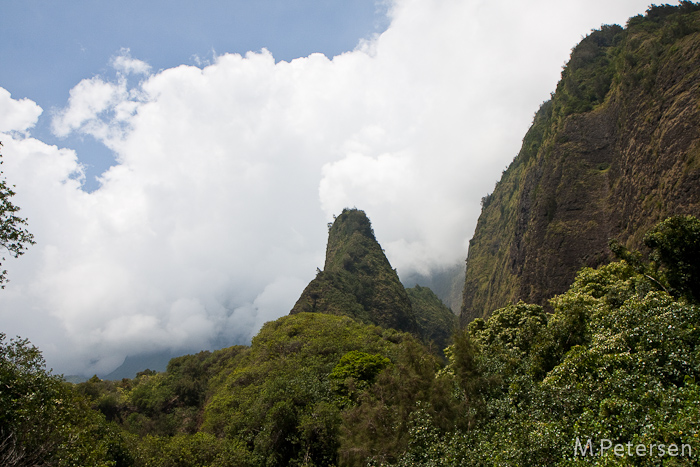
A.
pixel 14 237
pixel 675 245
pixel 43 421
pixel 359 367
pixel 162 404
pixel 313 389
pixel 618 359
pixel 286 400
pixel 196 450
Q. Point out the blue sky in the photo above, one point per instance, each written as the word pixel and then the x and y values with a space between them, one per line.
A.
pixel 179 161
pixel 49 46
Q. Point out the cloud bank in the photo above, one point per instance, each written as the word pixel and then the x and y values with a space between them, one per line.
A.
pixel 214 218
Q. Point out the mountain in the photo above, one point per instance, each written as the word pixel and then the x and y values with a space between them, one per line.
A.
pixel 134 364
pixel 436 320
pixel 447 283
pixel 614 151
pixel 357 279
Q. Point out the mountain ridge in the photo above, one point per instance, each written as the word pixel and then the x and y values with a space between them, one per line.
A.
pixel 614 151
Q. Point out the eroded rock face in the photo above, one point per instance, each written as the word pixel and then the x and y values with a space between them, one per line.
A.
pixel 594 166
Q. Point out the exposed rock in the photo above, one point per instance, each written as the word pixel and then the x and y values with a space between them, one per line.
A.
pixel 616 150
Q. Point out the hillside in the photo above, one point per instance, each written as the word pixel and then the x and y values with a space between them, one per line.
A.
pixel 447 283
pixel 614 151
pixel 435 319
pixel 312 389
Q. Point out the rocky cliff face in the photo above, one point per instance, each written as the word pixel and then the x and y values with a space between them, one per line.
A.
pixel 616 150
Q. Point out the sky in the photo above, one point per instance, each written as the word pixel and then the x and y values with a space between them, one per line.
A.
pixel 178 162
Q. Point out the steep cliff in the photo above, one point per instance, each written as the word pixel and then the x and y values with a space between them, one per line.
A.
pixel 614 151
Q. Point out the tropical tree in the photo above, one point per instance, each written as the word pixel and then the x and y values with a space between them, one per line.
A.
pixel 14 237
pixel 675 245
pixel 43 421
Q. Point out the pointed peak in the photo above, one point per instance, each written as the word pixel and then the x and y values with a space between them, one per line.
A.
pixel 357 279
pixel 352 245
pixel 351 221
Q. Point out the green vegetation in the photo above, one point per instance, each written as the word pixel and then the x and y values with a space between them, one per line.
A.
pixel 357 279
pixel 280 401
pixel 675 245
pixel 297 396
pixel 357 369
pixel 43 421
pixel 435 319
pixel 617 359
pixel 14 237
pixel 162 404
pixel 587 77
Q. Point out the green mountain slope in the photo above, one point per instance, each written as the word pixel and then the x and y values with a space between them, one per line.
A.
pixel 357 279
pixel 436 320
pixel 614 151
pixel 312 389
pixel 294 398
pixel 447 283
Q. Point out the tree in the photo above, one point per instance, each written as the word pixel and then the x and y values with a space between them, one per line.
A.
pixel 44 422
pixel 675 244
pixel 14 237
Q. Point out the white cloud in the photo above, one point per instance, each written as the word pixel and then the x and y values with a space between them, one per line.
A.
pixel 214 218
pixel 124 63
pixel 87 102
pixel 17 115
